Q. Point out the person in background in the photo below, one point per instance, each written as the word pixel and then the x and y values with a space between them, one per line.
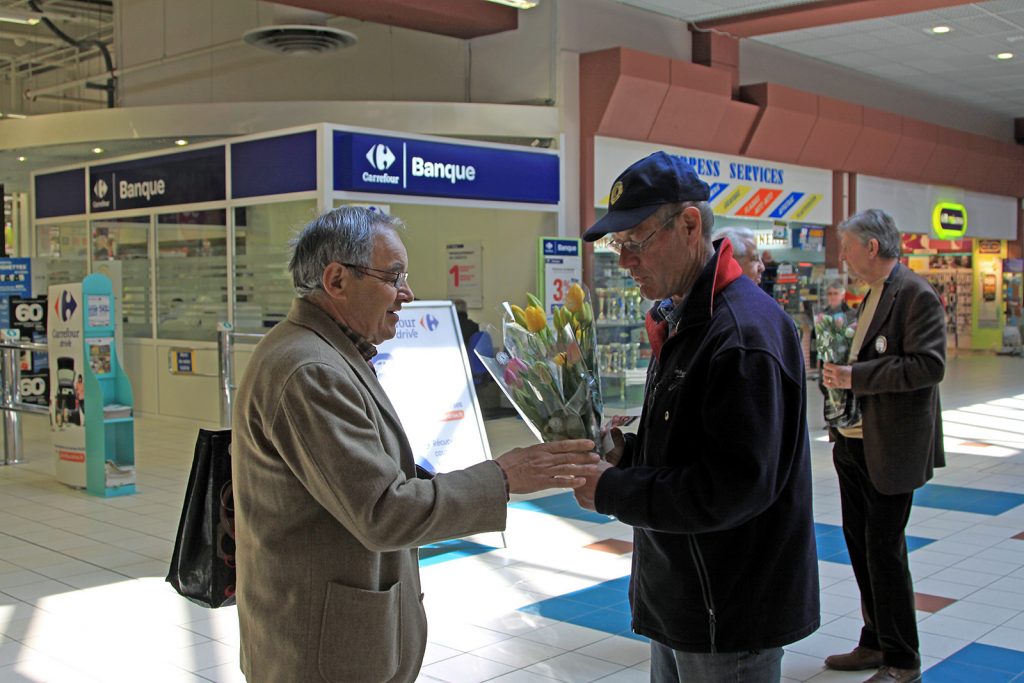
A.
pixel 330 508
pixel 835 299
pixel 467 325
pixel 744 250
pixel 716 482
pixel 835 303
pixel 897 359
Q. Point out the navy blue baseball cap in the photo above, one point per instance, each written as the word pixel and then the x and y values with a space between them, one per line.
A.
pixel 660 178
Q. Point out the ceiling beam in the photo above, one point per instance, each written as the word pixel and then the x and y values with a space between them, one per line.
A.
pixel 455 18
pixel 818 13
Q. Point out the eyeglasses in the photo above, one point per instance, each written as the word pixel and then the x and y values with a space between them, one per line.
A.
pixel 396 280
pixel 633 247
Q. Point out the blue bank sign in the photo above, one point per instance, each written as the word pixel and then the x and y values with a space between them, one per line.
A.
pixel 185 178
pixel 391 165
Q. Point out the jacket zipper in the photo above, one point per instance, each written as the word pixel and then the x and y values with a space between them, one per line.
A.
pixel 705 588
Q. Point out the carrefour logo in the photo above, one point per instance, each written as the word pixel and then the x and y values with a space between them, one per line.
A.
pixel 429 322
pixel 65 305
pixel 380 157
pixel 100 188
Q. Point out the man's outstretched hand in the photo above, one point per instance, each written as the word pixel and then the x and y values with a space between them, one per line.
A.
pixel 559 464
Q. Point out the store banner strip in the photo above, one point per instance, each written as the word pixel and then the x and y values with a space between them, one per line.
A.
pixel 739 186
pixel 60 193
pixel 277 165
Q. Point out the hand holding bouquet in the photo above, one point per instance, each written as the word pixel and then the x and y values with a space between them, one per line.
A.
pixel 549 371
pixel 833 334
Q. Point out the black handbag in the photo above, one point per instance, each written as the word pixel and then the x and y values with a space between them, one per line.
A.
pixel 203 561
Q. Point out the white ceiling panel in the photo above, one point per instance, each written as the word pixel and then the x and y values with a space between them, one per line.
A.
pixel 900 48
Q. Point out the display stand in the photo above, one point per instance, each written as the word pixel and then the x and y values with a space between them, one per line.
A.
pixel 91 398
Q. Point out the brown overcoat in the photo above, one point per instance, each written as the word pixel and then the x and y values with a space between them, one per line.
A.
pixel 329 513
pixel 896 377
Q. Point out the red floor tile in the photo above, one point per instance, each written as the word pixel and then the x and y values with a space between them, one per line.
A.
pixel 612 546
pixel 931 603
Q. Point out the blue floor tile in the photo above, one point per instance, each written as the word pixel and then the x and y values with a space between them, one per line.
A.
pixel 990 657
pixel 963 499
pixel 451 550
pixel 561 505
pixel 832 545
pixel 978 663
pixel 602 607
pixel 952 672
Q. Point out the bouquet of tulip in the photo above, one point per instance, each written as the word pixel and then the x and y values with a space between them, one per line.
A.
pixel 833 333
pixel 549 370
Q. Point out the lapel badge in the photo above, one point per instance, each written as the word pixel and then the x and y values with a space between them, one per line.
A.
pixel 880 344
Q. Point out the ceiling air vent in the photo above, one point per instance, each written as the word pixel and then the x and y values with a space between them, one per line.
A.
pixel 299 39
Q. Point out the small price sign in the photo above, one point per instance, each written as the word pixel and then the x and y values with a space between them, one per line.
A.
pixel 561 264
pixel 465 272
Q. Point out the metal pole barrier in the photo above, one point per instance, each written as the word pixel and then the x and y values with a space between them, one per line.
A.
pixel 10 397
pixel 12 424
pixel 225 352
pixel 226 337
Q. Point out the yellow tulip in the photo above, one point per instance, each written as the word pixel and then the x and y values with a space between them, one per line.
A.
pixel 574 297
pixel 535 319
pixel 518 314
pixel 560 359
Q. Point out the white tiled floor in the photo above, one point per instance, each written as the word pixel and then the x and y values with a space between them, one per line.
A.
pixel 82 596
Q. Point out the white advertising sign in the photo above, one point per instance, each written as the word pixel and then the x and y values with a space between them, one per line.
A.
pixel 426 374
pixel 67 364
pixel 465 272
pixel 561 265
pixel 740 186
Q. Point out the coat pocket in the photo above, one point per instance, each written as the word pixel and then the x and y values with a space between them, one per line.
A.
pixel 361 634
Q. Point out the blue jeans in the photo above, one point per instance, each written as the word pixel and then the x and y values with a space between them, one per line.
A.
pixel 673 666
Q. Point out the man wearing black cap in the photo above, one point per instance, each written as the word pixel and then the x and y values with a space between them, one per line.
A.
pixel 717 480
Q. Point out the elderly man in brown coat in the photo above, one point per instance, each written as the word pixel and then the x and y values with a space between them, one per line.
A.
pixel 329 508
pixel 897 360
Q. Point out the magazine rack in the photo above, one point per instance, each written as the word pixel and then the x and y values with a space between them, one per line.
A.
pixel 91 412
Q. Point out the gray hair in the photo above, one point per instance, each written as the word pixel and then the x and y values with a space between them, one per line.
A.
pixel 739 236
pixel 707 216
pixel 874 224
pixel 835 284
pixel 343 235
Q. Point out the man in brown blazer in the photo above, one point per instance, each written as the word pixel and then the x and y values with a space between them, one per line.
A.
pixel 329 507
pixel 897 359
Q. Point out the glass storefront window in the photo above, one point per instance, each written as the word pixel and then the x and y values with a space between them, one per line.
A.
pixel 61 252
pixel 263 287
pixel 191 272
pixel 126 241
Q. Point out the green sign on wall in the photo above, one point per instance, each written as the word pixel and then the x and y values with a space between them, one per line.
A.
pixel 949 220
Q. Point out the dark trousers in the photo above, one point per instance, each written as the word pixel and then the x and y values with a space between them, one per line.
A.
pixel 874 525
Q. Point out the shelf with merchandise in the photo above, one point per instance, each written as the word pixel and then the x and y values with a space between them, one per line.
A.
pixel 622 345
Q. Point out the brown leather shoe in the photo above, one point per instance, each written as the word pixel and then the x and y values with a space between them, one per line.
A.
pixel 861 659
pixel 890 674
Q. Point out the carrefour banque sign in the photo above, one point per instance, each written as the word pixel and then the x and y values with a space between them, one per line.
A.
pixel 391 165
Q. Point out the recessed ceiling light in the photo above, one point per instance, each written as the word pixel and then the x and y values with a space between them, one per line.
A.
pixel 97 150
pixel 518 4
pixel 181 142
pixel 940 29
pixel 1003 55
